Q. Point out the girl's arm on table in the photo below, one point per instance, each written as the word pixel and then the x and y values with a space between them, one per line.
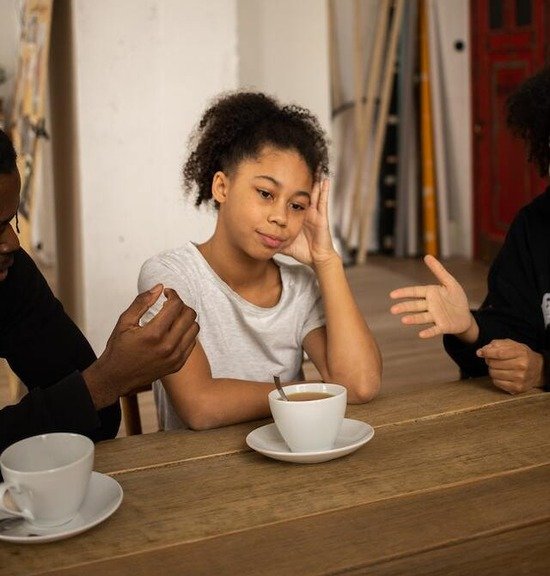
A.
pixel 345 351
pixel 204 402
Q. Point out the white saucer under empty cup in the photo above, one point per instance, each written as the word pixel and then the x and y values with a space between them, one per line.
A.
pixel 310 425
pixel 47 477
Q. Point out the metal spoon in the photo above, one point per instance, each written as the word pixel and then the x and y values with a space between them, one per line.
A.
pixel 280 388
pixel 6 524
pixel 13 523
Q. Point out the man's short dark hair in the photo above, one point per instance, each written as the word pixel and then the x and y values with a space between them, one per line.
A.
pixel 8 157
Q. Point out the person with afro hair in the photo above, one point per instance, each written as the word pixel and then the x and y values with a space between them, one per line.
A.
pixel 262 166
pixel 509 336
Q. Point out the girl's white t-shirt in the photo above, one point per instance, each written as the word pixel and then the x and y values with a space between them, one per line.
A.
pixel 240 340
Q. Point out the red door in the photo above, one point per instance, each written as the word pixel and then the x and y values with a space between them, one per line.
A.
pixel 509 43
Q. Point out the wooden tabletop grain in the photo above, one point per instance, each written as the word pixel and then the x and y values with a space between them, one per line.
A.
pixel 455 481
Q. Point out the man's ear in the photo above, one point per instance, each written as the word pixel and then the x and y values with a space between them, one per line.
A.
pixel 220 186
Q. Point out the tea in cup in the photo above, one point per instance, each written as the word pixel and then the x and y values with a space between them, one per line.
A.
pixel 46 477
pixel 311 420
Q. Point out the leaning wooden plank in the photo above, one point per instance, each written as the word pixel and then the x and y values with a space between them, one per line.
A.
pixel 365 127
pixel 440 129
pixel 368 204
pixel 358 109
pixel 406 186
pixel 429 211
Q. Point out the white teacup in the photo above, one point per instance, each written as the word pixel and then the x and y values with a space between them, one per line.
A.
pixel 46 477
pixel 309 425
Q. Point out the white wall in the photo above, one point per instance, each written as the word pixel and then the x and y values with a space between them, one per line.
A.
pixel 144 71
pixel 283 50
pixel 9 37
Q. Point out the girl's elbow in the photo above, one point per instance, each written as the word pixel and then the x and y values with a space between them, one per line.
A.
pixel 365 390
pixel 197 424
pixel 198 419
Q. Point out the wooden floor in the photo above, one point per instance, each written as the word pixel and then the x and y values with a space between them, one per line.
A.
pixel 407 359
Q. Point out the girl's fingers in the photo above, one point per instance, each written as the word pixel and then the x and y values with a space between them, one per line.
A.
pixel 315 194
pixel 438 270
pixel 322 203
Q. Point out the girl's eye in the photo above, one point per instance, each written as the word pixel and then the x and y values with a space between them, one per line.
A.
pixel 296 207
pixel 264 193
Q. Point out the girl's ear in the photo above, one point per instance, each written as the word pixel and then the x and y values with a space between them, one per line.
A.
pixel 220 185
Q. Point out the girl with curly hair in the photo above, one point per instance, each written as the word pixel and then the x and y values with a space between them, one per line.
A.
pixel 263 166
pixel 509 336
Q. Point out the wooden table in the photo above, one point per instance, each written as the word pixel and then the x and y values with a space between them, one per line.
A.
pixel 455 481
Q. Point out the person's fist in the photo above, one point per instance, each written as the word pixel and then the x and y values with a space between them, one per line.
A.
pixel 513 366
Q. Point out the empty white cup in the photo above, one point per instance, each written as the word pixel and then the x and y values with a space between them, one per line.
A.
pixel 309 425
pixel 46 477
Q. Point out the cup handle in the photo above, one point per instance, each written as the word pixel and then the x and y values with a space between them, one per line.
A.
pixel 4 487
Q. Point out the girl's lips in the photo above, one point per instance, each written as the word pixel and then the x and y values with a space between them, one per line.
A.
pixel 271 241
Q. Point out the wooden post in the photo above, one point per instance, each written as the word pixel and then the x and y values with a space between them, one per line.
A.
pixel 365 127
pixel 426 133
pixel 368 205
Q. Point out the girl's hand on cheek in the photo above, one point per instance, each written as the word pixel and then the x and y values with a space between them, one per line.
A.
pixel 313 245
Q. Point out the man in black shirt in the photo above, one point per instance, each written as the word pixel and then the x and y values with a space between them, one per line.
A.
pixel 68 388
pixel 509 336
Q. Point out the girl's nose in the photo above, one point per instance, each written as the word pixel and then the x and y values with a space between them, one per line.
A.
pixel 277 214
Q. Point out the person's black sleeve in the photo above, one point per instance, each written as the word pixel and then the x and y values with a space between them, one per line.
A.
pixel 64 407
pixel 47 351
pixel 511 308
pixel 546 369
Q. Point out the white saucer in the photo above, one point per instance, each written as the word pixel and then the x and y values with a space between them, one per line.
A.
pixel 102 499
pixel 269 442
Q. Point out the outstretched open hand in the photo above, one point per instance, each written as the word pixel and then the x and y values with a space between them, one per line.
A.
pixel 313 245
pixel 443 305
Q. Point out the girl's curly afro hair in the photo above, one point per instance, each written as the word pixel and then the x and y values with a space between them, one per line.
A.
pixel 529 117
pixel 238 126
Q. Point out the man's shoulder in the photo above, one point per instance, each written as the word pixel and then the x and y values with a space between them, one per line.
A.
pixel 25 296
pixel 23 276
